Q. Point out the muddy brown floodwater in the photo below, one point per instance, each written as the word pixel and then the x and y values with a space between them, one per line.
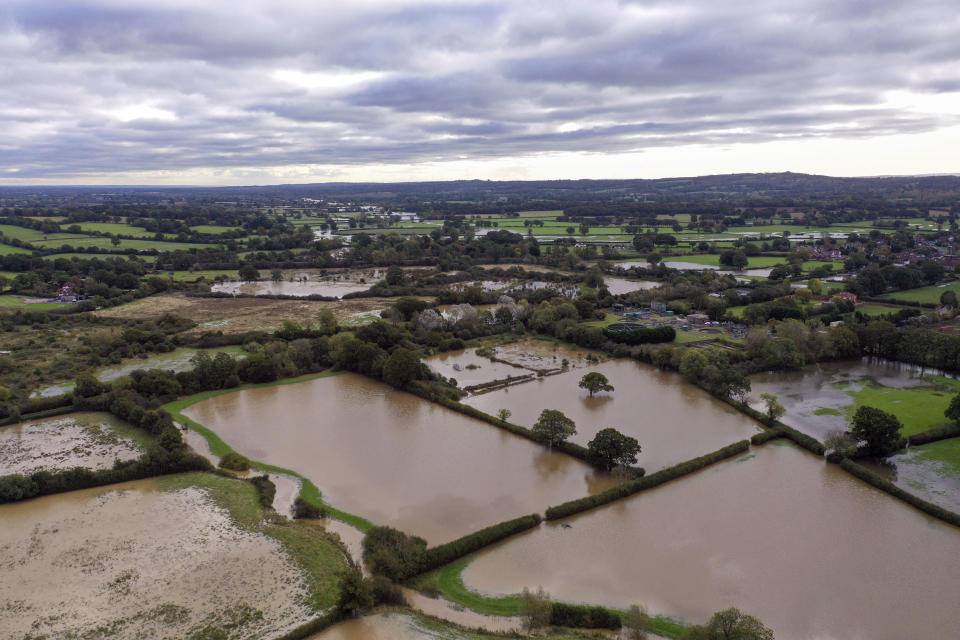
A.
pixel 384 626
pixel 810 550
pixel 394 458
pixel 618 286
pixel 673 420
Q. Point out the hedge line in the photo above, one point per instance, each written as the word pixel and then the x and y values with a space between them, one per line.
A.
pixel 766 436
pixel 809 443
pixel 17 487
pixel 37 415
pixel 438 556
pixel 647 482
pixel 579 616
pixel 883 484
pixel 569 448
pixel 641 335
pixel 314 297
pixel 933 435
pixel 40 405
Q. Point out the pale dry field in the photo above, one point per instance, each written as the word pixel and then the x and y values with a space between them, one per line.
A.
pixel 135 562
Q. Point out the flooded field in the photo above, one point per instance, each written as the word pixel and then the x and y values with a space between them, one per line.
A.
pixel 394 458
pixel 618 286
pixel 811 551
pixel 522 357
pixel 176 360
pixel 931 471
pixel 384 626
pixel 171 564
pixel 334 283
pixel 77 440
pixel 673 420
pixel 822 397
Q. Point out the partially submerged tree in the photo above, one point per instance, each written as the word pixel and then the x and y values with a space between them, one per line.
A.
pixel 637 623
pixel 535 609
pixel 731 624
pixel 774 409
pixel 878 430
pixel 504 414
pixel 610 448
pixel 554 427
pixel 594 382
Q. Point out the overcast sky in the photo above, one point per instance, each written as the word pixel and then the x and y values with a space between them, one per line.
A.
pixel 257 92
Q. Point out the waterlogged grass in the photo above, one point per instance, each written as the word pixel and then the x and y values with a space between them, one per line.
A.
pixel 308 491
pixel 448 581
pixel 945 453
pixel 311 548
pixel 918 408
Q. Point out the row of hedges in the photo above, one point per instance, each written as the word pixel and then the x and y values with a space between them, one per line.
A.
pixel 38 406
pixel 438 556
pixel 781 430
pixel 646 482
pixel 21 487
pixel 569 448
pixel 933 435
pixel 496 383
pixel 641 335
pixel 883 484
pixel 766 436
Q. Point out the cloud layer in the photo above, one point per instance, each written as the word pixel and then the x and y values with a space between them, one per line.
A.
pixel 89 88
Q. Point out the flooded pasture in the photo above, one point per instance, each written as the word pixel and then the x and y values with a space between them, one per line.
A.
pixel 334 283
pixel 169 565
pixel 810 550
pixel 77 440
pixel 618 286
pixel 394 458
pixel 672 419
pixel 930 471
pixel 467 368
pixel 818 398
pixel 384 626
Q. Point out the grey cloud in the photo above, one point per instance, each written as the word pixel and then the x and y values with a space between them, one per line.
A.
pixel 481 80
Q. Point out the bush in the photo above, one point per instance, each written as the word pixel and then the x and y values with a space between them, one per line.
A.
pixel 303 509
pixel 766 436
pixel 933 435
pixel 642 335
pixel 647 482
pixel 446 553
pixel 266 490
pixel 234 462
pixel 583 617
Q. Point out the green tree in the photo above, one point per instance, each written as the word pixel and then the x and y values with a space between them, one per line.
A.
pixel 949 299
pixel 394 276
pixel 953 411
pixel 637 623
pixel 774 409
pixel 739 260
pixel 356 594
pixel 594 382
pixel 504 414
pixel 878 429
pixel 731 624
pixel 535 608
pixel 401 368
pixel 815 286
pixel 692 364
pixel 87 386
pixel 554 427
pixel 276 275
pixel 610 448
pixel 249 273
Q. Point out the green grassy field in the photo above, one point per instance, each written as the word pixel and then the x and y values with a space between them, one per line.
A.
pixel 190 276
pixel 58 240
pixel 878 309
pixel 924 294
pixel 21 233
pixel 918 408
pixel 116 228
pixel 6 250
pixel 17 302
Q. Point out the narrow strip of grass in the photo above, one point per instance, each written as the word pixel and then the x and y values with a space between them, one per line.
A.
pixel 448 581
pixel 308 490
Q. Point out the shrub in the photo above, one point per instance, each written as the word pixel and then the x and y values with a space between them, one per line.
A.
pixel 303 509
pixel 266 490
pixel 234 462
pixel 933 435
pixel 642 335
pixel 583 617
